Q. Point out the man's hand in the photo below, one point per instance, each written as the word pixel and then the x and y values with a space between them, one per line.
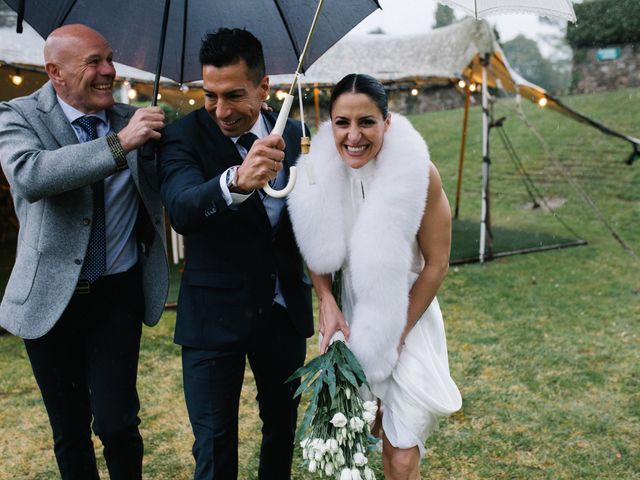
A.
pixel 144 125
pixel 262 163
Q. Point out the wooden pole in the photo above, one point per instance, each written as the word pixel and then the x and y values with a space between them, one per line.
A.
pixel 463 144
pixel 316 103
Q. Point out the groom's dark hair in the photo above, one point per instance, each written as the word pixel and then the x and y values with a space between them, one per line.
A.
pixel 228 46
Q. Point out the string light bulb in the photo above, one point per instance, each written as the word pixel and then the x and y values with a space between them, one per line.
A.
pixel 280 95
pixel 17 78
pixel 184 88
pixel 543 102
pixel 192 102
pixel 414 91
pixel 159 96
pixel 132 94
pixel 462 84
pixel 473 87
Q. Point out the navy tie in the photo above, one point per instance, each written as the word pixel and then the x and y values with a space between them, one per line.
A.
pixel 95 261
pixel 247 140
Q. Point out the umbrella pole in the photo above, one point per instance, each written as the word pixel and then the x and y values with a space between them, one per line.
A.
pixel 463 144
pixel 281 121
pixel 485 225
pixel 163 36
pixel 149 148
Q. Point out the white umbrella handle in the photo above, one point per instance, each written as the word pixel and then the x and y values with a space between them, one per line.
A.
pixel 279 130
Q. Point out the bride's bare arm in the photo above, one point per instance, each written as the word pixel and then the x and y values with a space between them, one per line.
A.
pixel 434 238
pixel 330 316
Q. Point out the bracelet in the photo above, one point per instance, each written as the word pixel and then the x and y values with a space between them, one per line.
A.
pixel 117 151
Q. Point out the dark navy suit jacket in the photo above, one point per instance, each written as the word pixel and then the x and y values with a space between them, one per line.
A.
pixel 232 255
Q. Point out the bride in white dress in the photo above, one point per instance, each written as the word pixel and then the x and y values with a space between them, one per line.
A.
pixel 370 203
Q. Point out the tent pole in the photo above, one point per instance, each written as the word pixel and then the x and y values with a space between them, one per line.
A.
pixel 463 144
pixel 316 103
pixel 485 225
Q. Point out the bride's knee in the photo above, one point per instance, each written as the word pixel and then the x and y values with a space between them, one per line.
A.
pixel 402 463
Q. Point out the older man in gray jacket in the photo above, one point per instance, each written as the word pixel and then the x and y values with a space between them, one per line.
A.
pixel 90 265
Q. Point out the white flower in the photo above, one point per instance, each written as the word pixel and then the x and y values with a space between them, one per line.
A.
pixel 304 454
pixel 318 455
pixel 333 445
pixel 304 442
pixel 359 459
pixel 370 406
pixel 340 460
pixel 368 474
pixel 317 444
pixel 312 466
pixel 355 474
pixel 368 417
pixel 356 424
pixel 339 420
pixel 346 474
pixel 328 469
pixel 348 393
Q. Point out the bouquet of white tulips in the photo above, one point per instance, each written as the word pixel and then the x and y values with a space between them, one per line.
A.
pixel 337 423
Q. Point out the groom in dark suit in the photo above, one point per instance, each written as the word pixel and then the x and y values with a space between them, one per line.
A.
pixel 244 291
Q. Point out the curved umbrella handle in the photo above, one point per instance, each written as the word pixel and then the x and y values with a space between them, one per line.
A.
pixel 279 130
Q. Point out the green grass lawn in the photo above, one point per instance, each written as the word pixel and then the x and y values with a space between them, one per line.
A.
pixel 544 347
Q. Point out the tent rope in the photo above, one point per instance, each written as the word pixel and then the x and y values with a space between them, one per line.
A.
pixel 573 183
pixel 534 192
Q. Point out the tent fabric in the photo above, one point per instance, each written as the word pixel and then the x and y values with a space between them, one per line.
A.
pixel 442 53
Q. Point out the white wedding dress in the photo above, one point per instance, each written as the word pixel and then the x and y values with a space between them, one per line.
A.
pixel 420 389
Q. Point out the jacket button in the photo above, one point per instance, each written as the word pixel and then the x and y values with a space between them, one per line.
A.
pixel 77 261
pixel 86 221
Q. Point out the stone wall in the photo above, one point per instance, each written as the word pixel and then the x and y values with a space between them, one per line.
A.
pixel 593 75
pixel 439 97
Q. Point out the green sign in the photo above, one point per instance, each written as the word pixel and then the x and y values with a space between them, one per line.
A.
pixel 605 54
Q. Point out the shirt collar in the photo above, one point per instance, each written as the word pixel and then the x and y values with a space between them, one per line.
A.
pixel 259 129
pixel 73 114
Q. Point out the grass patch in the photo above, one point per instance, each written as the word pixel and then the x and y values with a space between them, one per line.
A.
pixel 543 346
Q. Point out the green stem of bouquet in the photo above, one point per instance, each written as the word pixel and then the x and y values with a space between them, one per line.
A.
pixel 336 288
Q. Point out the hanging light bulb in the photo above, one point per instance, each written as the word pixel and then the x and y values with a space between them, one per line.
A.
pixel 280 95
pixel 473 87
pixel 17 78
pixel 543 102
pixel 414 91
pixel 184 88
pixel 159 96
pixel 126 83
pixel 132 94
pixel 192 101
pixel 462 84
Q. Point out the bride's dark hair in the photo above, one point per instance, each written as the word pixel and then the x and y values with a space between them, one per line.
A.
pixel 361 83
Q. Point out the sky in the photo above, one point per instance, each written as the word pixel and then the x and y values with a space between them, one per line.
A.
pixel 417 16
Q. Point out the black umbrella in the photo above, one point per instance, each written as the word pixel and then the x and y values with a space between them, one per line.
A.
pixel 134 28
pixel 164 36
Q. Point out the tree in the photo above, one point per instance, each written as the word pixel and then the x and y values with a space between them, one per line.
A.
pixel 444 16
pixel 524 56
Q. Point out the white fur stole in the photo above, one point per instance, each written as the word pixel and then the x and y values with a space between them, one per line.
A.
pixel 379 248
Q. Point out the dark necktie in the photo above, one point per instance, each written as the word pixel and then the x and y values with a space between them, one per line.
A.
pixel 247 140
pixel 95 261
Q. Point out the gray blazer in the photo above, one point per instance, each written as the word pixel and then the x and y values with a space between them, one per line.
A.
pixel 50 174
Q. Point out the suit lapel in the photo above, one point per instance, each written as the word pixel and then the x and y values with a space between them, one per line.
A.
pixel 53 118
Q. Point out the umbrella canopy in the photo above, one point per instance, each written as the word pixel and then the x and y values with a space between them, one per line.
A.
pixel 548 8
pixel 133 29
